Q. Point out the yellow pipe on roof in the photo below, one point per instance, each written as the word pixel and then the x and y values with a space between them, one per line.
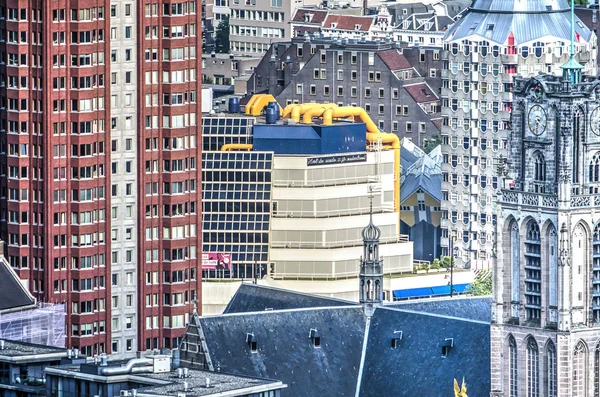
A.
pixel 287 110
pixel 251 102
pixel 256 106
pixel 228 147
pixel 299 110
pixel 316 111
pixel 373 135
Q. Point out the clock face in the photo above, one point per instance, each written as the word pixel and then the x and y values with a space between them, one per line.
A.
pixel 595 121
pixel 537 119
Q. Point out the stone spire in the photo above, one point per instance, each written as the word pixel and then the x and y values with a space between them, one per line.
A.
pixel 371 268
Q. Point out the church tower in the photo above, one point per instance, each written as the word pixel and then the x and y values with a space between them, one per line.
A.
pixel 546 312
pixel 371 269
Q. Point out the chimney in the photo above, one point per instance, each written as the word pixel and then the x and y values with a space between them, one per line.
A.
pixel 365 7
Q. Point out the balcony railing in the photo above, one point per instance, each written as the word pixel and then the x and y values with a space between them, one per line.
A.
pixel 402 238
pixel 529 199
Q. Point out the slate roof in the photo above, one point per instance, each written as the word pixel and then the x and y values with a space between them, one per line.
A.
pixel 285 351
pixel 388 371
pixel 318 16
pixel 394 59
pixel 471 308
pixel 256 298
pixel 348 22
pixel 343 361
pixel 421 93
pixel 13 294
pixel 528 20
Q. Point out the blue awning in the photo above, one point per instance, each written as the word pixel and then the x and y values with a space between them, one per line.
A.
pixel 424 292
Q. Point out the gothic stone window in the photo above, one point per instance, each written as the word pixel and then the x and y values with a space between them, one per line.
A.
pixel 551 370
pixel 533 272
pixel 539 172
pixel 596 275
pixel 512 368
pixel 594 168
pixel 533 368
pixel 597 371
pixel 579 370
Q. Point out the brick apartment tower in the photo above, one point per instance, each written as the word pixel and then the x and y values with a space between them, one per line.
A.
pixel 72 149
pixel 169 161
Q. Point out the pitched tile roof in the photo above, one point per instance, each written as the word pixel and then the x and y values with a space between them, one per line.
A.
pixel 318 16
pixel 348 22
pixel 421 93
pixel 394 59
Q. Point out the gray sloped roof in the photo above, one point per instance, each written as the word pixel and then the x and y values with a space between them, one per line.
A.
pixel 285 351
pixel 416 366
pixel 13 294
pixel 472 308
pixel 256 298
pixel 528 20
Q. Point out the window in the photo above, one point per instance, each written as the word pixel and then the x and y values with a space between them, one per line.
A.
pixel 533 368
pixel 580 368
pixel 513 376
pixel 594 169
pixel 539 172
pixel 551 379
pixel 533 273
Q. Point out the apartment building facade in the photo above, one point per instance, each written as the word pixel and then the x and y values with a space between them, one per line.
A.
pixel 74 155
pixel 255 24
pixel 374 76
pixel 482 55
pixel 169 152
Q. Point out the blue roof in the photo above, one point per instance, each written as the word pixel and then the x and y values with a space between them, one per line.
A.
pixel 409 293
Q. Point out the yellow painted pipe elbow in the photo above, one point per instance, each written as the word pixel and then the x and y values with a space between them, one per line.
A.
pixel 228 147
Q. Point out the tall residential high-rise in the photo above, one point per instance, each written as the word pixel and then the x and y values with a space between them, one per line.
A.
pixel 546 311
pixel 98 103
pixel 492 43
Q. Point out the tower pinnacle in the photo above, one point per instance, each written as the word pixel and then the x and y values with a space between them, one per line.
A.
pixel 371 266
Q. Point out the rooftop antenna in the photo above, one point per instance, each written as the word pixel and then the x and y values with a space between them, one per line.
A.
pixel 572 68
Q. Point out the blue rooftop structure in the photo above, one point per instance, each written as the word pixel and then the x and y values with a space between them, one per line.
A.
pixel 310 139
pixel 427 292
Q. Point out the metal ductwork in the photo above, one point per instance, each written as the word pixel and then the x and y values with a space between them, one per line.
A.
pixel 128 368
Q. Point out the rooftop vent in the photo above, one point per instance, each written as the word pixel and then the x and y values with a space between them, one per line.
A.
pixel 396 339
pixel 313 334
pixel 251 341
pixel 207 383
pixel 2 344
pixel 446 346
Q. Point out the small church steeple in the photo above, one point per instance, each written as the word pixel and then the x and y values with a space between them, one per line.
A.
pixel 572 68
pixel 371 267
